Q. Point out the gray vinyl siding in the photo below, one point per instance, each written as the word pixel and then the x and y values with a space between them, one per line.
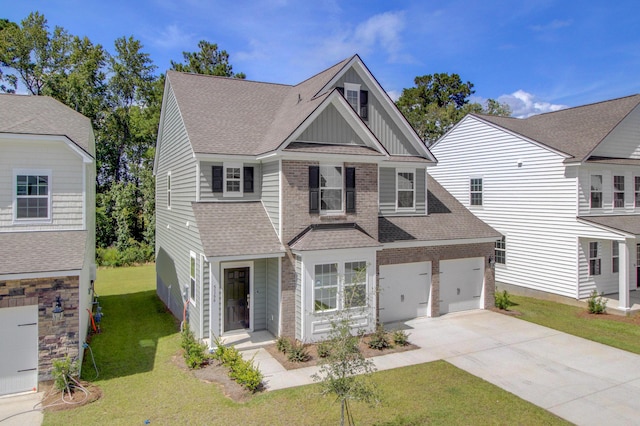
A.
pixel 330 127
pixel 206 292
pixel 623 141
pixel 176 230
pixel 271 192
pixel 387 195
pixel 206 179
pixel 273 302
pixel 380 121
pixel 260 295
pixel 298 297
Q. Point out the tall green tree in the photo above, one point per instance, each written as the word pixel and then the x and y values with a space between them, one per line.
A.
pixel 208 60
pixel 438 101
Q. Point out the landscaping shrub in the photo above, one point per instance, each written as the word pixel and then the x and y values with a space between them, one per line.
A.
pixel 63 372
pixel 596 303
pixel 379 340
pixel 324 349
pixel 503 300
pixel 400 338
pixel 283 344
pixel 298 353
pixel 243 372
pixel 195 354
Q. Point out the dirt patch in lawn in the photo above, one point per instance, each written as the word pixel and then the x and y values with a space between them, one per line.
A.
pixel 53 399
pixel 509 312
pixel 314 359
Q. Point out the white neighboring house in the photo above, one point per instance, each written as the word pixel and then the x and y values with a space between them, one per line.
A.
pixel 47 237
pixel 564 190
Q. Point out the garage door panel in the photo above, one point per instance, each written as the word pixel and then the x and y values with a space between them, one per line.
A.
pixel 19 349
pixel 404 291
pixel 461 282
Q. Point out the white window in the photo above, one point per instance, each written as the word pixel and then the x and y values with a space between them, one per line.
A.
pixel 192 281
pixel 325 287
pixel 168 190
pixel 596 191
pixel 406 189
pixel 618 191
pixel 32 196
pixel 331 183
pixel 330 292
pixel 501 251
pixel 594 258
pixel 475 191
pixel 355 284
pixel 352 94
pixel 232 180
pixel 615 257
pixel 637 190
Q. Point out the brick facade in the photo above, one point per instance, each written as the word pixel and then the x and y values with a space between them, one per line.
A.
pixel 55 338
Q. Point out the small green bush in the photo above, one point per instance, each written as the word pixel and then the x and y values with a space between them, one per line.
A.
pixel 503 300
pixel 379 340
pixel 596 303
pixel 243 372
pixel 195 354
pixel 324 349
pixel 135 254
pixel 63 372
pixel 298 353
pixel 400 338
pixel 283 344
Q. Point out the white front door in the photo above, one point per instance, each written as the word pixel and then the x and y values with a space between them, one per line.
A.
pixel 18 349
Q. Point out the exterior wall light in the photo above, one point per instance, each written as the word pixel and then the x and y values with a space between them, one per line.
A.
pixel 58 310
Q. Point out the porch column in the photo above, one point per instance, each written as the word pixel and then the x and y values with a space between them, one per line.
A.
pixel 623 272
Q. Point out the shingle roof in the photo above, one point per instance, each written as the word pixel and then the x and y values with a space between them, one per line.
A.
pixel 43 115
pixel 625 223
pixel 250 117
pixel 573 131
pixel 331 149
pixel 32 252
pixel 331 237
pixel 448 219
pixel 235 229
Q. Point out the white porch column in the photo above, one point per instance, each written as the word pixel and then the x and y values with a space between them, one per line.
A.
pixel 624 267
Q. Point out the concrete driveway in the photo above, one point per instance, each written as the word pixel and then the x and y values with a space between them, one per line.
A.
pixel 18 410
pixel 581 381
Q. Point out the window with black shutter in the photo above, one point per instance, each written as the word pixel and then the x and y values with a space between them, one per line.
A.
pixel 218 178
pixel 364 105
pixel 350 188
pixel 314 189
pixel 248 179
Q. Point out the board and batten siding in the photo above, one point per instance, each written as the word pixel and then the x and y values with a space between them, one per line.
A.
pixel 330 127
pixel 273 299
pixel 176 230
pixel 623 141
pixel 206 181
pixel 66 186
pixel 526 196
pixel 388 188
pixel 271 192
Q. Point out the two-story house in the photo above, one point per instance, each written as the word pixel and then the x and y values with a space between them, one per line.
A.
pixel 47 237
pixel 279 205
pixel 564 190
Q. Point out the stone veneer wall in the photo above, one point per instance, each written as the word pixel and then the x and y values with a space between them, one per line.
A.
pixel 435 254
pixel 55 338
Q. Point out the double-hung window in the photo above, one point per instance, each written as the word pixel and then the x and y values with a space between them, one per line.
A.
pixel 325 287
pixel 358 99
pixel 501 251
pixel 406 189
pixel 331 183
pixel 594 258
pixel 32 195
pixel 355 284
pixel 232 179
pixel 596 191
pixel 618 191
pixel 332 189
pixel 475 191
pixel 339 285
pixel 637 190
pixel 615 256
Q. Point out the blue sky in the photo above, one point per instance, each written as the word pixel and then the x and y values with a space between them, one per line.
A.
pixel 536 55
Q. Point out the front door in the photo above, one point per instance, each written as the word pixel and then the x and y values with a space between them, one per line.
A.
pixel 236 299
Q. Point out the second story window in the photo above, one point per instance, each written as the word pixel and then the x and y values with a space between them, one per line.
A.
pixel 475 193
pixel 618 191
pixel 637 191
pixel 358 99
pixel 33 195
pixel 332 189
pixel 596 191
pixel 232 179
pixel 406 189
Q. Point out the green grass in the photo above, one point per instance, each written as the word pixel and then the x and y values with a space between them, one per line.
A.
pixel 140 381
pixel 622 335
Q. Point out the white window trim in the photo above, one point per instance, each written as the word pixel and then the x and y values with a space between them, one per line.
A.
pixel 193 279
pixel 415 176
pixel 598 256
pixel 234 265
pixel 502 249
pixel 636 192
pixel 169 190
pixel 481 192
pixel 340 288
pixel 591 191
pixel 226 193
pixel 32 172
pixel 342 189
pixel 615 255
pixel 353 87
pixel 616 191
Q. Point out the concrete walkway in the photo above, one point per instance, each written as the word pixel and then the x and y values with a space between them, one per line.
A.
pixel 581 381
pixel 20 410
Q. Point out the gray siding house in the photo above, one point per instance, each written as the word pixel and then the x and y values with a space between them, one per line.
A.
pixel 279 205
pixel 47 237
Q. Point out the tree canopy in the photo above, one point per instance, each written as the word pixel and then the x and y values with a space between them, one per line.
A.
pixel 438 101
pixel 209 60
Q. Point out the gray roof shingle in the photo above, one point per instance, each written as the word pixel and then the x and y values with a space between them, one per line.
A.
pixel 235 229
pixel 625 223
pixel 332 237
pixel 43 115
pixel 573 131
pixel 47 251
pixel 448 219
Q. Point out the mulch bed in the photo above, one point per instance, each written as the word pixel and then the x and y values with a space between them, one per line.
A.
pixel 632 319
pixel 52 400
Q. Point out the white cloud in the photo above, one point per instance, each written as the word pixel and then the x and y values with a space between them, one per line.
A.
pixel 172 37
pixel 524 104
pixel 553 25
pixel 394 94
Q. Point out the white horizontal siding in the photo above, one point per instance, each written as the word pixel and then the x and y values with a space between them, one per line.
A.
pixel 65 187
pixel 623 141
pixel 607 171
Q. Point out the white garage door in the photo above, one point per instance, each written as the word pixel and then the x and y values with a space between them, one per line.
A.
pixel 461 284
pixel 18 349
pixel 404 291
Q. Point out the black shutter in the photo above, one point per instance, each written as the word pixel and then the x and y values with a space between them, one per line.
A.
pixel 341 90
pixel 248 179
pixel 364 105
pixel 217 173
pixel 350 186
pixel 314 189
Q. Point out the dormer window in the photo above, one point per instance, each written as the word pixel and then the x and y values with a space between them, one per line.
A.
pixel 357 98
pixel 232 179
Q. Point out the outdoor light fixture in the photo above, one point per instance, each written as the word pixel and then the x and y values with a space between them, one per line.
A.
pixel 58 310
pixel 491 261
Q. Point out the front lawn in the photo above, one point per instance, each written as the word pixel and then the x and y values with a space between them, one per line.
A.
pixel 608 329
pixel 141 382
